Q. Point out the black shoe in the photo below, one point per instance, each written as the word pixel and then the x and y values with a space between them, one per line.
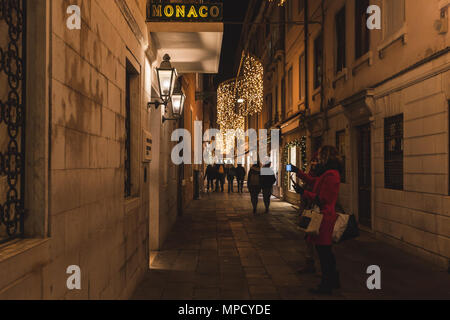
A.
pixel 309 268
pixel 322 290
pixel 336 282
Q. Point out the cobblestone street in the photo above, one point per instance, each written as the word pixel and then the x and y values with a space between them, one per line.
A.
pixel 220 250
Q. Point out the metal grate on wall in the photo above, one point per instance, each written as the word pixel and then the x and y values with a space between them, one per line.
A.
pixel 393 152
pixel 12 118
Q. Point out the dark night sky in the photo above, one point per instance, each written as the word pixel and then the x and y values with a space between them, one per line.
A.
pixel 234 10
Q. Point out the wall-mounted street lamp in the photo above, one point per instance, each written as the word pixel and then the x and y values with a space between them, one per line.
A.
pixel 178 100
pixel 167 76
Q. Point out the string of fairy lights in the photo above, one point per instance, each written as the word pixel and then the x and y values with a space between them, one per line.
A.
pixel 280 2
pixel 238 98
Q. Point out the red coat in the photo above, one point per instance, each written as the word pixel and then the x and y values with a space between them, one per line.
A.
pixel 327 188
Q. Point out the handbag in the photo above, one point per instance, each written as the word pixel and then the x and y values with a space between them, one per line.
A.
pixel 310 221
pixel 340 226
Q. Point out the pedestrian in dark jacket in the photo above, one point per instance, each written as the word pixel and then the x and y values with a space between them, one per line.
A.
pixel 220 177
pixel 210 175
pixel 231 173
pixel 254 184
pixel 325 194
pixel 240 176
pixel 267 181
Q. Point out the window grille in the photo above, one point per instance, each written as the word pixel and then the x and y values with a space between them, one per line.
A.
pixel 12 118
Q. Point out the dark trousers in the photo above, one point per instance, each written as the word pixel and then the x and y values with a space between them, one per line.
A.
pixel 267 193
pixel 210 183
pixel 220 181
pixel 230 184
pixel 240 184
pixel 254 194
pixel 328 266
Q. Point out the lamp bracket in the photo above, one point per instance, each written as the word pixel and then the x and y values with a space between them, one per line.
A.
pixel 164 119
pixel 156 104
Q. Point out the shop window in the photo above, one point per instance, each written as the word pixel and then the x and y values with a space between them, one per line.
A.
pixel 340 40
pixel 362 33
pixel 340 146
pixel 318 61
pixel 292 160
pixel 393 152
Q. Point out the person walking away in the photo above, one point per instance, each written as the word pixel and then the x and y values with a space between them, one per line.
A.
pixel 210 176
pixel 267 181
pixel 325 194
pixel 240 176
pixel 220 180
pixel 230 177
pixel 254 184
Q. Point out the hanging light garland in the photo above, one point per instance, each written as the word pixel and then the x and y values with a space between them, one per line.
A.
pixel 250 91
pixel 280 2
pixel 227 118
pixel 242 96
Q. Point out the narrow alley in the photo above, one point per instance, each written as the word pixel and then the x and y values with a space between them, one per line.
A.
pixel 219 250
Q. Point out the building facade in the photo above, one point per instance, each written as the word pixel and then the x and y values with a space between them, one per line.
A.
pixel 382 98
pixel 87 179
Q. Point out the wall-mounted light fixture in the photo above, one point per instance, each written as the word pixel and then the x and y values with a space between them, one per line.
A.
pixel 178 100
pixel 167 76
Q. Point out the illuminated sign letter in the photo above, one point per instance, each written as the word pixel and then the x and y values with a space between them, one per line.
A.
pixel 181 12
pixel 156 10
pixel 214 11
pixel 203 11
pixel 168 11
pixel 192 13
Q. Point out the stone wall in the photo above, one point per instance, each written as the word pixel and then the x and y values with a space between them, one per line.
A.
pixel 91 224
pixel 417 218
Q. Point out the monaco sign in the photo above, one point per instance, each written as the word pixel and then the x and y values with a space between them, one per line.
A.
pixel 184 12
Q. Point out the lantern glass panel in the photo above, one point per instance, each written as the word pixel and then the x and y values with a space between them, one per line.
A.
pixel 166 79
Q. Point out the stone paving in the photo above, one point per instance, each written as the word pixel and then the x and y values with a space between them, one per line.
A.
pixel 219 250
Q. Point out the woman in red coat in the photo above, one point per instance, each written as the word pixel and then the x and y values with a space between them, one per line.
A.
pixel 310 180
pixel 325 194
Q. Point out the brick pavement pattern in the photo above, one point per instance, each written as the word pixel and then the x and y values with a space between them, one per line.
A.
pixel 219 250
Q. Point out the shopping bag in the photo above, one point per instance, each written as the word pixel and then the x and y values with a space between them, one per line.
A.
pixel 340 226
pixel 310 221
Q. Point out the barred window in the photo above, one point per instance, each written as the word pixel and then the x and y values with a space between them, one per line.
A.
pixel 393 152
pixel 131 130
pixel 300 5
pixel 362 34
pixel 318 61
pixel 290 91
pixel 394 16
pixel 340 40
pixel 340 146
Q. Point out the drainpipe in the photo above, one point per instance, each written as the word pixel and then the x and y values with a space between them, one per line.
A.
pixel 306 29
pixel 323 103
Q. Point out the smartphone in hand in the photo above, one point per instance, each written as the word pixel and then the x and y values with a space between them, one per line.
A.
pixel 289 168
